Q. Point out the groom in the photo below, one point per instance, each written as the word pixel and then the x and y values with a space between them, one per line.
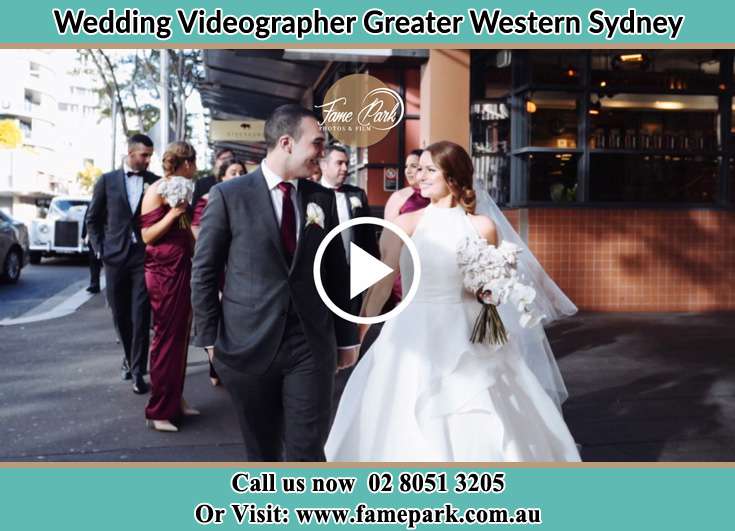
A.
pixel 276 345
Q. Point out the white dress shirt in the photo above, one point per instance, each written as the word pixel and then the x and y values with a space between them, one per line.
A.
pixel 343 211
pixel 133 187
pixel 272 181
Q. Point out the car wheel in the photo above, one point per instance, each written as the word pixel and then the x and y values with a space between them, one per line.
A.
pixel 35 257
pixel 11 268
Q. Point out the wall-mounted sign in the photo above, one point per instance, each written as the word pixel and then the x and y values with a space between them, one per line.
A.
pixel 390 179
pixel 237 130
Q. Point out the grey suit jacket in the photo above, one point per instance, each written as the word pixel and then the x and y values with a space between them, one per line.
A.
pixel 240 237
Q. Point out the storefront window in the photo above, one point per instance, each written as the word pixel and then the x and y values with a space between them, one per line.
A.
pixel 621 126
pixel 552 68
pixel 653 178
pixel 490 123
pixel 552 119
pixel 654 122
pixel 552 177
pixel 656 70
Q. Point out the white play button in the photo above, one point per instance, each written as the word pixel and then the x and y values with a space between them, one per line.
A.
pixel 364 270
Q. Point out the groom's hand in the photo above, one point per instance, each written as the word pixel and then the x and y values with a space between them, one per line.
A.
pixel 347 357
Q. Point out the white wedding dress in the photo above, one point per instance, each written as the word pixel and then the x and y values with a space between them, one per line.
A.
pixel 424 392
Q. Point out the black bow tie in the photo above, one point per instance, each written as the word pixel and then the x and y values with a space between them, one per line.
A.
pixel 133 173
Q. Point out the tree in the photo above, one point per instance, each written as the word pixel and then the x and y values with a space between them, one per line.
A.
pixel 88 176
pixel 133 81
pixel 10 134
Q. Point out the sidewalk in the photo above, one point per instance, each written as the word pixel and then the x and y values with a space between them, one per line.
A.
pixel 650 387
pixel 643 388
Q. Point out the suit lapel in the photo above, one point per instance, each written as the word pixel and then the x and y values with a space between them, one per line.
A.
pixel 124 190
pixel 263 204
pixel 348 196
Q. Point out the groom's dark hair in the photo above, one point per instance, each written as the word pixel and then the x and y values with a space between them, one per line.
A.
pixel 285 120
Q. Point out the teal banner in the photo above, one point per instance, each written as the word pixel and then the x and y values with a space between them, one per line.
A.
pixel 376 23
pixel 402 497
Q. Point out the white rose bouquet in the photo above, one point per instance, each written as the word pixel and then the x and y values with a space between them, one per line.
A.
pixel 177 190
pixel 490 273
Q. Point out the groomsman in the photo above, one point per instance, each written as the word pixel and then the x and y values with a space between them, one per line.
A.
pixel 352 201
pixel 114 233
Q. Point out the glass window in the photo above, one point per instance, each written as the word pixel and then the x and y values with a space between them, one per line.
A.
pixel 490 128
pixel 656 70
pixel 552 120
pixel 653 178
pixel 552 177
pixel 552 68
pixel 654 122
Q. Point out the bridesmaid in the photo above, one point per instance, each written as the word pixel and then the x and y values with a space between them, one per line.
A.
pixel 406 200
pixel 228 169
pixel 409 198
pixel 169 248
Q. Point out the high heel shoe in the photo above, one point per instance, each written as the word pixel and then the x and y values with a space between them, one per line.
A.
pixel 187 410
pixel 161 425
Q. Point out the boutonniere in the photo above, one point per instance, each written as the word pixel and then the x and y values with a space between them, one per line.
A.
pixel 355 202
pixel 145 187
pixel 314 215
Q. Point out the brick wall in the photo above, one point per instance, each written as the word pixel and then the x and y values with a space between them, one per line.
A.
pixel 637 260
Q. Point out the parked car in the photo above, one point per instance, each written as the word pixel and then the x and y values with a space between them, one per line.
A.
pixel 60 231
pixel 13 247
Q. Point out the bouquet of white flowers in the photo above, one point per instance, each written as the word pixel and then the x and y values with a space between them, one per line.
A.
pixel 490 273
pixel 177 190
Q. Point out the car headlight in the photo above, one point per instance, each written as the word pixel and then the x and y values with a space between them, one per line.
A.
pixel 43 229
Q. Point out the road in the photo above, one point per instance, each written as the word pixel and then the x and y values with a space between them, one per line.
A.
pixel 39 283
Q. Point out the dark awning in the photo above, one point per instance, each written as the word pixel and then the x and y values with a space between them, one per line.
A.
pixel 241 84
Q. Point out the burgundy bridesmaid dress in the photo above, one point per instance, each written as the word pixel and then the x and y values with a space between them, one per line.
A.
pixel 196 217
pixel 414 202
pixel 167 277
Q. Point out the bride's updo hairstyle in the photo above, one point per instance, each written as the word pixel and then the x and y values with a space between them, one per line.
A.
pixel 456 164
pixel 175 155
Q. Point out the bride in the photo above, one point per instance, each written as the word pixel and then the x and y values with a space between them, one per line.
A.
pixel 434 395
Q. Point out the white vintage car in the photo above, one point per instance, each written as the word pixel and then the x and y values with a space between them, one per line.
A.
pixel 60 231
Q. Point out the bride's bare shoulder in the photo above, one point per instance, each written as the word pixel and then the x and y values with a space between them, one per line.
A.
pixel 409 221
pixel 485 227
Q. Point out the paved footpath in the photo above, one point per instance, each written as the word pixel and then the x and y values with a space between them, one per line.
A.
pixel 643 388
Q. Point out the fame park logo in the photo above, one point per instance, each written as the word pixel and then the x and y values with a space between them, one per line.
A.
pixel 359 110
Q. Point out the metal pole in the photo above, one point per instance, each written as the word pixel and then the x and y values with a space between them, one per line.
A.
pixel 114 133
pixel 164 120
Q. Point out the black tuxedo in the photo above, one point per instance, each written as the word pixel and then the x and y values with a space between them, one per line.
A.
pixel 275 340
pixel 95 263
pixel 114 234
pixel 362 235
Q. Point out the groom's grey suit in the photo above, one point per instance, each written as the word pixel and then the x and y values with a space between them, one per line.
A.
pixel 275 341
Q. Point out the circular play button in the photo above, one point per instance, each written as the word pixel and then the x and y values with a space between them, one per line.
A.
pixel 365 270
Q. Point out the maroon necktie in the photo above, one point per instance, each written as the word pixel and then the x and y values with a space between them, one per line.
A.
pixel 288 220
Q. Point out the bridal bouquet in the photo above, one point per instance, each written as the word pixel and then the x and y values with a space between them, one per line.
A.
pixel 491 274
pixel 175 191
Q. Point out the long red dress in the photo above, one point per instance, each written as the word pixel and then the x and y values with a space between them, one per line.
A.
pixel 414 202
pixel 167 277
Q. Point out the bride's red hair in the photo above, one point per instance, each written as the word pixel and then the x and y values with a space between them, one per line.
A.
pixel 456 164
